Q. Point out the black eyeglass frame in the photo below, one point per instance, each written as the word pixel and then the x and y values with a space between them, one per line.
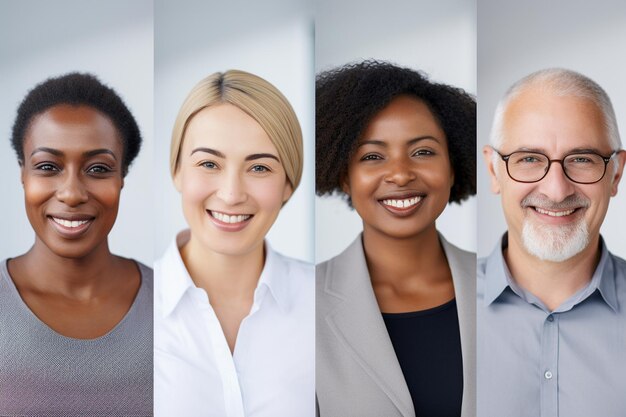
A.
pixel 606 160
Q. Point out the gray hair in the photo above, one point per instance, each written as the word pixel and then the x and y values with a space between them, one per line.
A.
pixel 560 82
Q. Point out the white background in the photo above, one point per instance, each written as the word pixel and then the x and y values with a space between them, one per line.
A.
pixel 272 39
pixel 518 38
pixel 436 37
pixel 111 39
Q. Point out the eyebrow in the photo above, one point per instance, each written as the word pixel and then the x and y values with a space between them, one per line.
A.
pixel 409 143
pixel 260 156
pixel 87 154
pixel 251 157
pixel 574 150
pixel 208 150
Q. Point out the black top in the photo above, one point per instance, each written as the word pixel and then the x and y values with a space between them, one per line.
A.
pixel 428 347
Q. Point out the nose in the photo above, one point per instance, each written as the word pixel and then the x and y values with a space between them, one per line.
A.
pixel 555 185
pixel 400 172
pixel 232 189
pixel 72 190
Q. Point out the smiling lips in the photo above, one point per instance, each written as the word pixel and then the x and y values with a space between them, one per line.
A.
pixel 69 223
pixel 402 206
pixel 229 222
pixel 554 213
pixel 71 228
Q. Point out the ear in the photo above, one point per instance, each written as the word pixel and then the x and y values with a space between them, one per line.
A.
pixel 287 192
pixel 21 164
pixel 488 157
pixel 619 159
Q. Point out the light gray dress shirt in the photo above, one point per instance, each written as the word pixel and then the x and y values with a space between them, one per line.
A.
pixel 570 362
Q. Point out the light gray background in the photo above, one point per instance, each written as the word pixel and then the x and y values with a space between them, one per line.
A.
pixel 112 39
pixel 272 39
pixel 438 38
pixel 517 38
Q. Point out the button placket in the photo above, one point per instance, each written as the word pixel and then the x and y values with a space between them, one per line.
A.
pixel 549 366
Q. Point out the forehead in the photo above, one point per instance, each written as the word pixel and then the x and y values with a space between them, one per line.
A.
pixel 405 117
pixel 227 129
pixel 65 127
pixel 541 120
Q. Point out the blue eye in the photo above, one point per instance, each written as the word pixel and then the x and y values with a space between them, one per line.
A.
pixel 209 164
pixel 259 168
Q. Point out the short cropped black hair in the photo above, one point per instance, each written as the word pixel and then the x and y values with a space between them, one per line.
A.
pixel 78 89
pixel 349 96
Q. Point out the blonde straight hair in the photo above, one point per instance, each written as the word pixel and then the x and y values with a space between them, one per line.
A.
pixel 259 99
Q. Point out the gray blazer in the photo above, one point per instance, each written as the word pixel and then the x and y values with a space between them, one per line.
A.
pixel 357 372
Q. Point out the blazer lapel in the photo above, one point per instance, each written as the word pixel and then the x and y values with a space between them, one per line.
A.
pixel 359 326
pixel 463 268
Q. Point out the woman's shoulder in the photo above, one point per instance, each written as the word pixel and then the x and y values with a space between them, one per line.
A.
pixel 455 253
pixel 295 266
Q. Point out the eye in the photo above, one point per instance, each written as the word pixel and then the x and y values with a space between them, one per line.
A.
pixel 371 157
pixel 580 160
pixel 46 166
pixel 260 168
pixel 208 165
pixel 527 159
pixel 99 169
pixel 423 152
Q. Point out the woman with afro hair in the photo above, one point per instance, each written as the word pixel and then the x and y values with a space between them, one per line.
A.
pixel 396 309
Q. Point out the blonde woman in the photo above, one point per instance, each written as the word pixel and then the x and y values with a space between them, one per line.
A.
pixel 234 320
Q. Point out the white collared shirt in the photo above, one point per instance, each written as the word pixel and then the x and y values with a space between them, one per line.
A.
pixel 272 370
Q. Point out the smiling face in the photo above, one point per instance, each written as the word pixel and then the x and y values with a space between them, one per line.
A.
pixel 231 179
pixel 72 178
pixel 555 218
pixel 400 176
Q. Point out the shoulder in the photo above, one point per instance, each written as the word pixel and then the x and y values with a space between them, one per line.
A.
pixel 295 267
pixel 454 253
pixel 351 257
pixel 147 274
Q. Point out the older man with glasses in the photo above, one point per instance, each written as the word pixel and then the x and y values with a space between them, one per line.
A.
pixel 551 297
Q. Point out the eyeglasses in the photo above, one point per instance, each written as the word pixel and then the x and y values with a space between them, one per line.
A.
pixel 579 167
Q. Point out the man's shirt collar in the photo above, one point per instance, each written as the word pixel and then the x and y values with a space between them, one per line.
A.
pixel 498 278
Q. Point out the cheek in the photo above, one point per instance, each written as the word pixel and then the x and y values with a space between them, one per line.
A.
pixel 36 192
pixel 109 193
pixel 362 182
pixel 268 193
pixel 195 189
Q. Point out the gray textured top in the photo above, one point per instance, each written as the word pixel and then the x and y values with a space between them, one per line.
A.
pixel 569 362
pixel 43 373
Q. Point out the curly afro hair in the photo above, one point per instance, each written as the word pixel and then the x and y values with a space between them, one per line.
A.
pixel 348 97
pixel 77 89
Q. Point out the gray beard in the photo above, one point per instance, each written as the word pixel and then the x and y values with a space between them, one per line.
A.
pixel 554 243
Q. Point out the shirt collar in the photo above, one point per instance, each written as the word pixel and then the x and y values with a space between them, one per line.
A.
pixel 177 281
pixel 175 278
pixel 275 277
pixel 496 272
pixel 498 277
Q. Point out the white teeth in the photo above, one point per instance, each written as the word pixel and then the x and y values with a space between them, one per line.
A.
pixel 554 213
pixel 69 223
pixel 225 218
pixel 407 202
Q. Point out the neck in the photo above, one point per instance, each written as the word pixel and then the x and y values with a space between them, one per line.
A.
pixel 391 259
pixel 552 282
pixel 53 273
pixel 223 276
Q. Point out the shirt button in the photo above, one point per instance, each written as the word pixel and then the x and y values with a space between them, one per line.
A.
pixel 548 375
pixel 550 318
